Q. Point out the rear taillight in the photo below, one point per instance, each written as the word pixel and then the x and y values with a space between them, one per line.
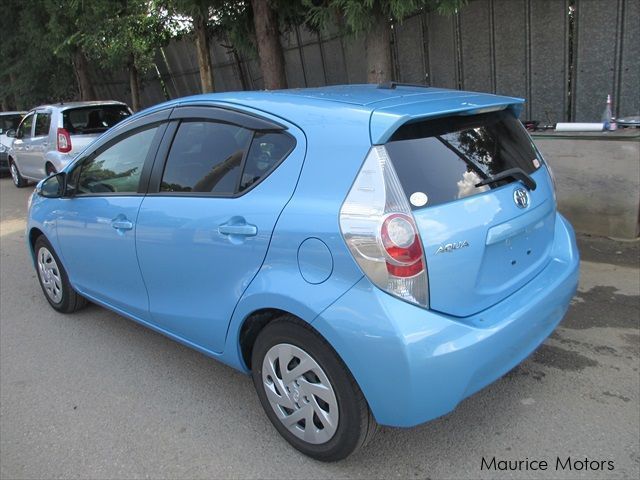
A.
pixel 64 141
pixel 379 229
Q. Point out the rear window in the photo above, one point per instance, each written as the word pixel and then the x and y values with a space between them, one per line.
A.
pixel 442 160
pixel 8 122
pixel 95 119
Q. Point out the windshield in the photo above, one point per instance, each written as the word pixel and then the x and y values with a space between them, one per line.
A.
pixel 94 119
pixel 442 160
pixel 8 122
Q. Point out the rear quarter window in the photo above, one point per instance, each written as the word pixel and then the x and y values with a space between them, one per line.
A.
pixel 442 160
pixel 266 152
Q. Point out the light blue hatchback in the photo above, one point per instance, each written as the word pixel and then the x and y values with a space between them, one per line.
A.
pixel 370 254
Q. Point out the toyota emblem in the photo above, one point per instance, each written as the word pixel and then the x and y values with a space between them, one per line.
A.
pixel 521 197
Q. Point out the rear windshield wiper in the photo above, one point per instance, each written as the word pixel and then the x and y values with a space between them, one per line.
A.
pixel 515 173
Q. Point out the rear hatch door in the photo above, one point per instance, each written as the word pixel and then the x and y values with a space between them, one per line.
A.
pixel 481 242
pixel 86 123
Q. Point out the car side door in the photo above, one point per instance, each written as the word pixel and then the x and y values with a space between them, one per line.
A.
pixel 38 144
pixel 205 226
pixel 97 226
pixel 22 145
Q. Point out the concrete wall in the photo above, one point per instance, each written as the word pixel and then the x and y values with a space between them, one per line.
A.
pixel 598 180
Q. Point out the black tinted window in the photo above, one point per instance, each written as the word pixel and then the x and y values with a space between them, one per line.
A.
pixel 267 150
pixel 43 121
pixel 205 157
pixel 24 130
pixel 96 119
pixel 9 122
pixel 117 169
pixel 442 160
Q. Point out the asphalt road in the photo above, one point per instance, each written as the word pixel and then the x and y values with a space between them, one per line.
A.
pixel 94 395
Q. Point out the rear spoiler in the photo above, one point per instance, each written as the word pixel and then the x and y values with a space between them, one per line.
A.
pixel 386 120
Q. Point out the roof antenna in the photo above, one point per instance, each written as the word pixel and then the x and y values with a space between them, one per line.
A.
pixel 392 85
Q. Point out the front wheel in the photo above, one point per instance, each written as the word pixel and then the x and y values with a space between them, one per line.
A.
pixel 54 280
pixel 18 180
pixel 307 392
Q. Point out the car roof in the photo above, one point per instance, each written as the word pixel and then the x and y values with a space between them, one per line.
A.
pixel 68 105
pixel 388 106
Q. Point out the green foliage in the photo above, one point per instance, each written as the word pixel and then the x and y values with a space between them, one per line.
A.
pixel 26 57
pixel 358 15
pixel 130 30
pixel 45 34
pixel 41 37
pixel 233 19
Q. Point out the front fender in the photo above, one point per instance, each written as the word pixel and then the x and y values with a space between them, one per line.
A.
pixel 41 218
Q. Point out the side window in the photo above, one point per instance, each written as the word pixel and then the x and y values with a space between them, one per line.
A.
pixel 43 121
pixel 117 169
pixel 24 130
pixel 266 152
pixel 205 156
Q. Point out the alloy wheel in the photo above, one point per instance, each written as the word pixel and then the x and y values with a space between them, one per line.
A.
pixel 300 393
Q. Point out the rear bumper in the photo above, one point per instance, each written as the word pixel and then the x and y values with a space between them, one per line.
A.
pixel 414 365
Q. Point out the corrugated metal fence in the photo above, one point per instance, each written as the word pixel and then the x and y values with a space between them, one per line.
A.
pixel 564 65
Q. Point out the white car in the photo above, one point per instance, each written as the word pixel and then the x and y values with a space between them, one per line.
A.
pixel 50 136
pixel 9 122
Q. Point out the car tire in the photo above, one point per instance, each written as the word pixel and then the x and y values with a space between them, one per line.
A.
pixel 324 388
pixel 18 180
pixel 53 279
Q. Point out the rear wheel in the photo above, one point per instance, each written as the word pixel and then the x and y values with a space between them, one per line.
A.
pixel 54 280
pixel 307 393
pixel 18 181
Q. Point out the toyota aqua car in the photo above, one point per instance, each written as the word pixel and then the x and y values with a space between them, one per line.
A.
pixel 369 254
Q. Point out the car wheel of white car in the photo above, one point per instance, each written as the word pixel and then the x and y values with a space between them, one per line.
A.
pixel 18 181
pixel 307 392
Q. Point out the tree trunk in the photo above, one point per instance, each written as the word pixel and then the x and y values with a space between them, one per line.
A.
pixel 134 85
pixel 269 47
pixel 378 45
pixel 17 102
pixel 204 55
pixel 81 68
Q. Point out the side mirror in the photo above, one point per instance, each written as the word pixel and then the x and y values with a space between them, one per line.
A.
pixel 11 133
pixel 53 186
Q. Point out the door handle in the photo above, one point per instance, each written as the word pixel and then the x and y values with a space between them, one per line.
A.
pixel 27 147
pixel 122 224
pixel 244 229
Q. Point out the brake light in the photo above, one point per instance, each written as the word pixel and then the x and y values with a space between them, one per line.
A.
pixel 379 229
pixel 402 243
pixel 64 141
